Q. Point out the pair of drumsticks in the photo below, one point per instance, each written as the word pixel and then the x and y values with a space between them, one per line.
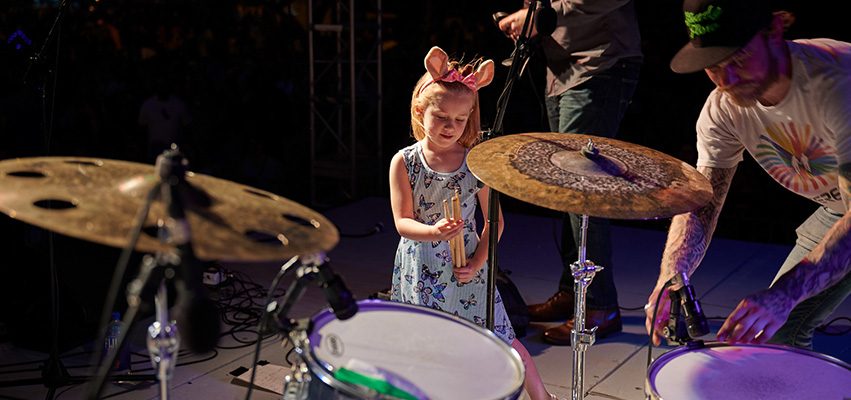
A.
pixel 456 244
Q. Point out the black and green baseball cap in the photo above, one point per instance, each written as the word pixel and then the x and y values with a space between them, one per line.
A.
pixel 717 29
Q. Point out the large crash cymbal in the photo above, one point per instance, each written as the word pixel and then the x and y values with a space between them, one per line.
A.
pixel 623 181
pixel 98 199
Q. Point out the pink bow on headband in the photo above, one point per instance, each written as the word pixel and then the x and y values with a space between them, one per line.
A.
pixel 454 76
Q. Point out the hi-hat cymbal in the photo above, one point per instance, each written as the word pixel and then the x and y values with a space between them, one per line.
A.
pixel 623 181
pixel 98 200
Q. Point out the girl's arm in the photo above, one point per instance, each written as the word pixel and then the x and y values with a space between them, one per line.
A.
pixel 402 203
pixel 477 261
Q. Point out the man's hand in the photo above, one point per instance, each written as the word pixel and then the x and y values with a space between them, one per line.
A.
pixel 655 329
pixel 512 24
pixel 753 321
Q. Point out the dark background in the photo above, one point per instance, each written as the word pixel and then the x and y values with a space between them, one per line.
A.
pixel 242 67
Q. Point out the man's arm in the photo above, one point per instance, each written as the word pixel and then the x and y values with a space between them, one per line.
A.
pixel 690 233
pixel 688 239
pixel 761 314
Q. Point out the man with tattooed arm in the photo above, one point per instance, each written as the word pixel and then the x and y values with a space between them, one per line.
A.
pixel 788 103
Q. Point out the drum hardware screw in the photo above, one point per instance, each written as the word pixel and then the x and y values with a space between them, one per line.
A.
pixel 585 338
pixel 589 150
pixel 695 344
pixel 295 384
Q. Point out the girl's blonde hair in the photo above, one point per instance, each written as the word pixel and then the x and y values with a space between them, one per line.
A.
pixel 421 101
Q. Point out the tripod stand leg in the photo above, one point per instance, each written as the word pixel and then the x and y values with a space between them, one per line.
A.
pixel 54 373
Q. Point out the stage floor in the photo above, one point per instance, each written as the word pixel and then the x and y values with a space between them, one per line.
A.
pixel 616 366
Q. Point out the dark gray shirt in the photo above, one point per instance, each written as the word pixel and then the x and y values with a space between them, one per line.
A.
pixel 590 37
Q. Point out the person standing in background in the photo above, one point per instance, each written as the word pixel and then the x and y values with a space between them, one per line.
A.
pixel 165 116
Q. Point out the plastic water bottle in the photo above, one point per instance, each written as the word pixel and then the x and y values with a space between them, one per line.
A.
pixel 121 366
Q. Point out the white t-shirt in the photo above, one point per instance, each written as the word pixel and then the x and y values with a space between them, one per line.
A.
pixel 801 141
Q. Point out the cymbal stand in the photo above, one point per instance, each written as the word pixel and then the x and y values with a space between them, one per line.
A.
pixel 522 51
pixel 581 339
pixel 163 341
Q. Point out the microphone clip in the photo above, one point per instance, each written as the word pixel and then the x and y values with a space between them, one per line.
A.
pixel 685 319
pixel 314 269
pixel 676 332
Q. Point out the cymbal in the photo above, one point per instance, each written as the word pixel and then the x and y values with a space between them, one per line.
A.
pixel 98 200
pixel 623 181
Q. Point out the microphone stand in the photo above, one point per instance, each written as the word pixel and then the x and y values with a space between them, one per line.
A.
pixel 53 374
pixel 39 58
pixel 583 270
pixel 522 52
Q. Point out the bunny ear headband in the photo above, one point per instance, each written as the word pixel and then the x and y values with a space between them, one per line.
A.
pixel 437 65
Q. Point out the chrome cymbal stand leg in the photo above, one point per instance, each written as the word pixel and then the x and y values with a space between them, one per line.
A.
pixel 583 274
pixel 163 342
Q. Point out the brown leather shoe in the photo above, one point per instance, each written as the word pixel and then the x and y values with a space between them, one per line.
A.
pixel 608 321
pixel 560 306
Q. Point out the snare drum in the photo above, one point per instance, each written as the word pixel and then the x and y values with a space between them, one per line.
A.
pixel 445 357
pixel 747 371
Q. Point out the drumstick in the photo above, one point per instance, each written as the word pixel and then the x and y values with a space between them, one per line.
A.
pixel 459 256
pixel 456 213
pixel 452 240
pixel 456 210
pixel 461 238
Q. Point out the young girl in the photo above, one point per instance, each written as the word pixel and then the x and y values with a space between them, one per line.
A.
pixel 445 121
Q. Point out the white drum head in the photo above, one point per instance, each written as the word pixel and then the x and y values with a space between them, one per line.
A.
pixel 748 372
pixel 446 357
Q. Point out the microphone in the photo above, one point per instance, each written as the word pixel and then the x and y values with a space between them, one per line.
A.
pixel 694 317
pixel 545 18
pixel 498 16
pixel 338 295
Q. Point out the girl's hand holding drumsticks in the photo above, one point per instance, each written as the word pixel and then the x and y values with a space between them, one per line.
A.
pixel 456 243
pixel 446 229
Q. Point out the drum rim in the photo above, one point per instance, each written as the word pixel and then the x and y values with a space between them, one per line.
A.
pixel 327 314
pixel 321 371
pixel 652 369
pixel 305 349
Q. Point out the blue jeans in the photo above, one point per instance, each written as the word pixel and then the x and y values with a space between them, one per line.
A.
pixel 595 107
pixel 810 313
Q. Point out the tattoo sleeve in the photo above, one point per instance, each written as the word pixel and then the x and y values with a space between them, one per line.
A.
pixel 826 264
pixel 690 233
